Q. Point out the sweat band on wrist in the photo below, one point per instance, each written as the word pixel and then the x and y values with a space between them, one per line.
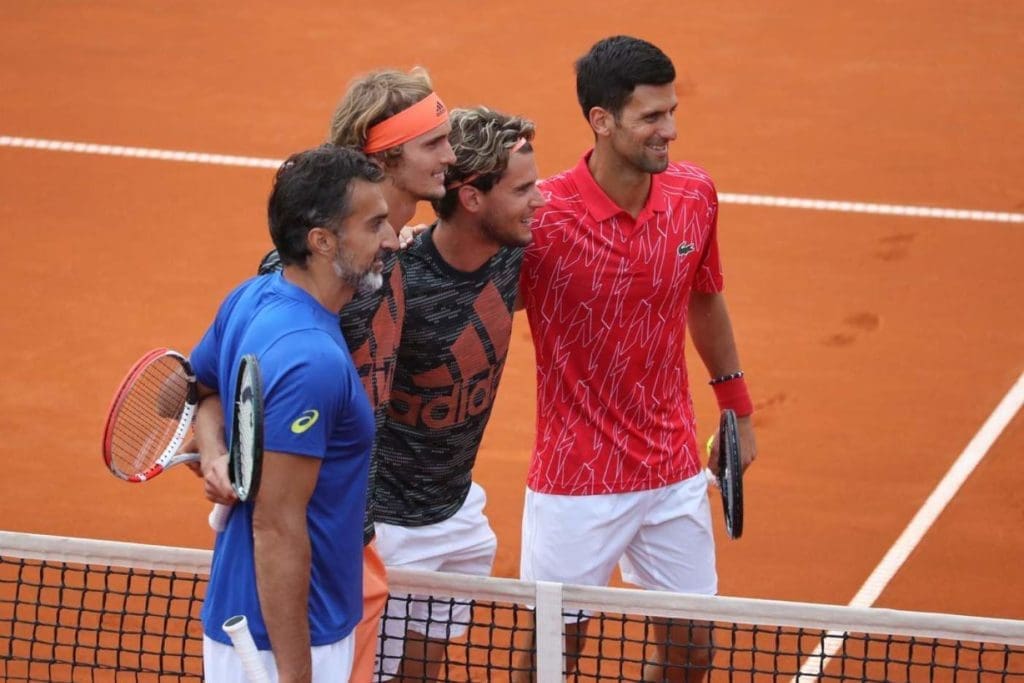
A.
pixel 425 115
pixel 733 394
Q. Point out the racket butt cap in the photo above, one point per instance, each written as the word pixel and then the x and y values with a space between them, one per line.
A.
pixel 218 518
pixel 235 624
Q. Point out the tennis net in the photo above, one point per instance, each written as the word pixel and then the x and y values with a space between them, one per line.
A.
pixel 85 610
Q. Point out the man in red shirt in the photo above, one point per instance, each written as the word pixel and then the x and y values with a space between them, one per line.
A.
pixel 624 257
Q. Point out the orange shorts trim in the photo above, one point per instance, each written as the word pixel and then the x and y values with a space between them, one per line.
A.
pixel 375 596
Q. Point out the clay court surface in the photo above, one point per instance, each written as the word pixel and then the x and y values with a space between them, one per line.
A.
pixel 876 346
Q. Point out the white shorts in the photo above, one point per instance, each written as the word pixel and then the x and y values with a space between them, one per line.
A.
pixel 464 544
pixel 662 539
pixel 331 663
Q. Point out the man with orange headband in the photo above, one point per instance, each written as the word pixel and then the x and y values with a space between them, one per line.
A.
pixel 461 277
pixel 398 120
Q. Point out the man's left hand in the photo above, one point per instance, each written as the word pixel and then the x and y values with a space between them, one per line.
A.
pixel 748 444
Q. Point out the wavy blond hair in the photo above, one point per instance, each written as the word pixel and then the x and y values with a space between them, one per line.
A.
pixel 372 98
pixel 481 139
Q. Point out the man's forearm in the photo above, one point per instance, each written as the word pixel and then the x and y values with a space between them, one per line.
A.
pixel 282 553
pixel 711 331
pixel 209 429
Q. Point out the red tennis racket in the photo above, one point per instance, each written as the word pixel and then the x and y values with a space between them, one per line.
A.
pixel 150 417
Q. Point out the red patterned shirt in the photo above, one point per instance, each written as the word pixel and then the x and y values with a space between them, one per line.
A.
pixel 607 298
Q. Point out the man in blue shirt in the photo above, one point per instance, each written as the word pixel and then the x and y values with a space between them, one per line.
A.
pixel 291 560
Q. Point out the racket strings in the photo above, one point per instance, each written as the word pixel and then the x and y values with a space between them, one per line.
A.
pixel 246 418
pixel 149 415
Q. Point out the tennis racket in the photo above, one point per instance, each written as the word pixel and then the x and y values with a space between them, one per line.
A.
pixel 237 628
pixel 730 473
pixel 150 416
pixel 245 455
pixel 247 430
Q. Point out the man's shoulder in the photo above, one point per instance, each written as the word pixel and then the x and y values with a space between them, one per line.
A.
pixel 564 204
pixel 416 251
pixel 420 263
pixel 242 301
pixel 299 334
pixel 279 319
pixel 303 354
pixel 687 175
pixel 560 189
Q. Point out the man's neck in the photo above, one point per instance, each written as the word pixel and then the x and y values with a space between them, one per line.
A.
pixel 461 242
pixel 625 184
pixel 321 283
pixel 401 206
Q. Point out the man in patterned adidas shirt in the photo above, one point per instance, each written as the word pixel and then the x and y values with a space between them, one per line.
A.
pixel 624 256
pixel 461 277
pixel 399 122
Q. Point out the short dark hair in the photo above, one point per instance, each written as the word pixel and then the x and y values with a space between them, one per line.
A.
pixel 607 75
pixel 312 189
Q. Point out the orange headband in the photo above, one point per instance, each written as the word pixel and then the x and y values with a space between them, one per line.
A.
pixel 467 180
pixel 427 114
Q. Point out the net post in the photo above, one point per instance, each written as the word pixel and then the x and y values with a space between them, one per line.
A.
pixel 549 639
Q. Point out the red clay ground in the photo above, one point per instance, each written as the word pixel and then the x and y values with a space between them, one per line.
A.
pixel 875 346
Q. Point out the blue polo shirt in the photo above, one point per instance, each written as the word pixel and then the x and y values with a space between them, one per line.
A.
pixel 314 406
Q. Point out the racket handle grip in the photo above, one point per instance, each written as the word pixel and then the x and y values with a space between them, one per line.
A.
pixel 219 517
pixel 237 628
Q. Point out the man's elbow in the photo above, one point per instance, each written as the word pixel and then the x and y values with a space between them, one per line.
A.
pixel 279 524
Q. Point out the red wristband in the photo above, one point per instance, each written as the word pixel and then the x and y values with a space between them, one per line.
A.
pixel 733 394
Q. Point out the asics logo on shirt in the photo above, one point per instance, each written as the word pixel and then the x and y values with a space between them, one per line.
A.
pixel 305 421
pixel 685 248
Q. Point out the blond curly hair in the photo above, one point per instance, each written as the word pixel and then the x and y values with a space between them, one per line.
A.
pixel 373 98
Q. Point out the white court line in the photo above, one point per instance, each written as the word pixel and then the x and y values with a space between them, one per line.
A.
pixel 878 209
pixel 922 521
pixel 724 197
pixel 138 152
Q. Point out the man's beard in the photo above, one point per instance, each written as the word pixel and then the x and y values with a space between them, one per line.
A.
pixel 364 282
pixel 370 282
pixel 647 165
pixel 504 239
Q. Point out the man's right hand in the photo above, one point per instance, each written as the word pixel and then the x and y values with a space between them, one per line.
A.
pixel 409 233
pixel 216 484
